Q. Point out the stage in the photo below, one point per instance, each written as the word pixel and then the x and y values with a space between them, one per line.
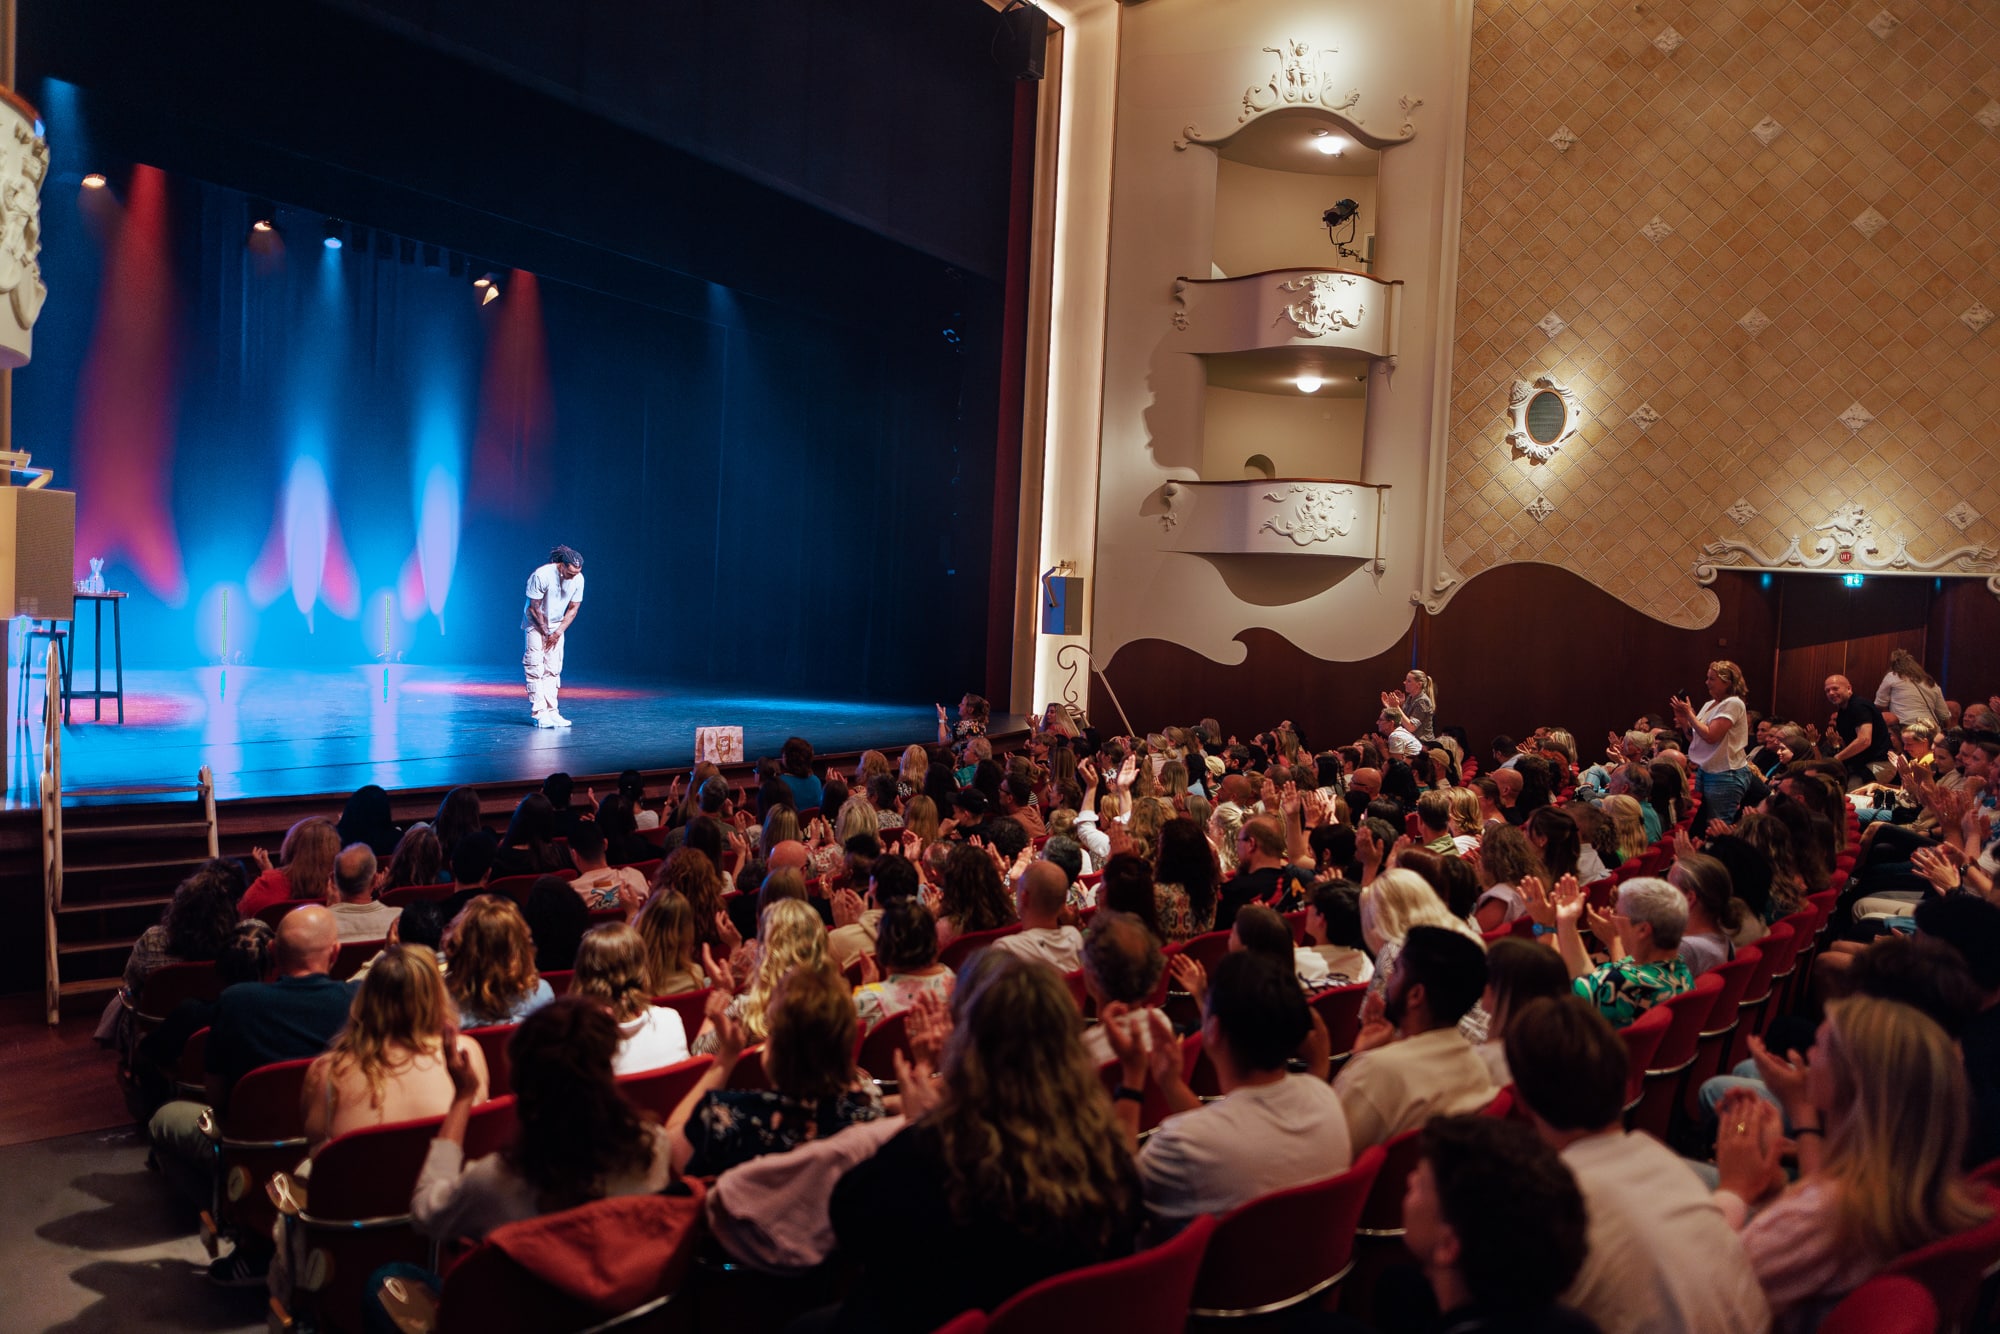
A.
pixel 275 732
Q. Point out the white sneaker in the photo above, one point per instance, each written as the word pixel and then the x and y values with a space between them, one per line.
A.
pixel 546 720
pixel 561 721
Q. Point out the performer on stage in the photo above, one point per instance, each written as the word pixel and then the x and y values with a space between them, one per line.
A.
pixel 555 595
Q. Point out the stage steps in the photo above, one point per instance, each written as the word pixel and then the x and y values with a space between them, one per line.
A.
pixel 117 871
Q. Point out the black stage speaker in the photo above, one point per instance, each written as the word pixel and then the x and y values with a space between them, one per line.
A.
pixel 1024 41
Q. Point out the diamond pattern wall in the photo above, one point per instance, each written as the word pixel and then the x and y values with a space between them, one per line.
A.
pixel 1781 217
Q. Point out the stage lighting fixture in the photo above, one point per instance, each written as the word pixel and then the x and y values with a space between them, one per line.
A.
pixel 261 225
pixel 483 280
pixel 1309 383
pixel 333 230
pixel 491 294
pixel 94 181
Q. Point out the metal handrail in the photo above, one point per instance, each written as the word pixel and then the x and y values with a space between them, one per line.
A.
pixel 52 859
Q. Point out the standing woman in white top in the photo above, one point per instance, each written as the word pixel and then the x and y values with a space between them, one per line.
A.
pixel 1717 738
pixel 555 595
pixel 1908 694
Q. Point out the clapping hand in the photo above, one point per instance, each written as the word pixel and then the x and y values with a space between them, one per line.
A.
pixel 1130 1043
pixel 262 858
pixel 1784 1075
pixel 720 977
pixel 1127 772
pixel 1541 905
pixel 871 972
pixel 1716 829
pixel 1937 868
pixel 1684 846
pixel 1749 1146
pixel 847 908
pixel 1193 978
pixel 928 1028
pixel 730 1036
pixel 725 930
pixel 1569 901
pixel 917 1089
pixel 464 1079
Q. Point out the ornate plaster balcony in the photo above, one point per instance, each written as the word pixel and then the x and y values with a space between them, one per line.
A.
pixel 1280 516
pixel 1288 317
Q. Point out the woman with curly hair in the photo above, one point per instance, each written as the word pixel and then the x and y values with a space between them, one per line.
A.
pixel 692 874
pixel 490 960
pixel 972 895
pixel 790 933
pixel 1773 837
pixel 194 927
pixel 1507 858
pixel 1012 1156
pixel 578 1138
pixel 417 859
pixel 388 1063
pixel 611 970
pixel 304 869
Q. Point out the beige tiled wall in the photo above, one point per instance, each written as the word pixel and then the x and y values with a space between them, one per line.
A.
pixel 1891 107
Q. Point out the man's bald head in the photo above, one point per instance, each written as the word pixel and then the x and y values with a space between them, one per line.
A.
pixel 354 872
pixel 789 855
pixel 1510 782
pixel 1042 891
pixel 1365 780
pixel 308 940
pixel 1839 689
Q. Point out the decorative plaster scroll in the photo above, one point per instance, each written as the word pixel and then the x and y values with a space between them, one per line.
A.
pixel 1325 307
pixel 1524 444
pixel 1180 304
pixel 1564 138
pixel 1541 509
pixel 24 165
pixel 1766 130
pixel 1850 540
pixel 1963 516
pixel 1742 511
pixel 1552 324
pixel 1658 230
pixel 1668 41
pixel 1316 516
pixel 1976 316
pixel 1856 417
pixel 1304 78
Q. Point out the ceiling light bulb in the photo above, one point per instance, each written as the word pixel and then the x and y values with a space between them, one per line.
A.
pixel 94 181
pixel 1330 144
pixel 483 280
pixel 261 225
pixel 1309 383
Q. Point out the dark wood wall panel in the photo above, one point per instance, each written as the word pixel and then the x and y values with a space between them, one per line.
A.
pixel 1826 628
pixel 1963 651
pixel 1521 645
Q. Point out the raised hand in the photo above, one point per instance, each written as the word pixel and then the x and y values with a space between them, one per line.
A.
pixel 730 1036
pixel 928 1028
pixel 1127 772
pixel 1749 1146
pixel 1716 829
pixel 918 1091
pixel 1784 1075
pixel 1193 978
pixel 847 908
pixel 732 939
pixel 262 858
pixel 1129 1042
pixel 1541 906
pixel 871 972
pixel 1569 901
pixel 1684 846
pixel 720 977
pixel 464 1079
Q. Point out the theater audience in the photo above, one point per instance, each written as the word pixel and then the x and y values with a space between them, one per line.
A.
pixel 529 846
pixel 1398 901
pixel 1714 915
pixel 388 1063
pixel 1412 1063
pixel 857 920
pixel 368 820
pixel 791 935
pixel 1333 935
pixel 490 964
pixel 906 954
pixel 1642 937
pixel 611 969
pixel 666 929
pixel 1186 880
pixel 197 923
pixel 1011 1156
pixel 1507 859
pixel 693 876
pixel 1881 1127
pixel 305 869
pixel 1497 1224
pixel 556 920
pixel 1662 1257
pixel 357 914
pixel 972 895
pixel 457 815
pixel 1040 896
pixel 1271 1130
pixel 417 860
pixel 808 1056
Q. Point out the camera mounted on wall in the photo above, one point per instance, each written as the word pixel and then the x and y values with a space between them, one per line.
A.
pixel 1344 214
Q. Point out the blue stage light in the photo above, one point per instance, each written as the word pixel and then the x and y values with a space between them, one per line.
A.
pixel 333 243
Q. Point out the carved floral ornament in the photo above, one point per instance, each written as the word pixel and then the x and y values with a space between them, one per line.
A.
pixel 24 164
pixel 1319 514
pixel 1303 77
pixel 1328 302
pixel 1537 433
pixel 1849 541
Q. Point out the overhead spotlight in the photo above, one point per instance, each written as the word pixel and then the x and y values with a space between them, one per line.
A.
pixel 333 241
pixel 94 181
pixel 483 280
pixel 491 294
pixel 1329 143
pixel 261 225
pixel 1309 383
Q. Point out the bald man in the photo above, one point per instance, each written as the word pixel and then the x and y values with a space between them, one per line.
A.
pixel 1040 896
pixel 1862 732
pixel 290 1018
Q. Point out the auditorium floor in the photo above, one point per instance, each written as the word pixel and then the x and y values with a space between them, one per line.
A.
pixel 53 1081
pixel 91 1240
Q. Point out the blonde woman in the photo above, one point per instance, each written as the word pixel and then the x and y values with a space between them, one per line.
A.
pixel 1466 822
pixel 1880 1115
pixel 388 1063
pixel 1395 901
pixel 304 869
pixel 1174 784
pixel 1909 694
pixel 857 816
pixel 611 969
pixel 1415 705
pixel 490 958
pixel 781 825
pixel 666 930
pixel 791 935
pixel 920 817
pixel 1149 814
pixel 1628 824
pixel 915 768
pixel 1718 740
pixel 872 764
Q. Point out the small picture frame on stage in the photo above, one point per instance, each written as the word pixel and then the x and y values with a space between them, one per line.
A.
pixel 718 745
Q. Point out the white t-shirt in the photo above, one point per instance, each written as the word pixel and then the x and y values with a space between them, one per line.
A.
pixel 1260 1138
pixel 1061 947
pixel 1719 757
pixel 363 921
pixel 1403 742
pixel 1662 1256
pixel 554 592
pixel 655 1039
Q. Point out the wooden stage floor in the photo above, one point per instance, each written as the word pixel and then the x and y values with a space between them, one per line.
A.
pixel 275 732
